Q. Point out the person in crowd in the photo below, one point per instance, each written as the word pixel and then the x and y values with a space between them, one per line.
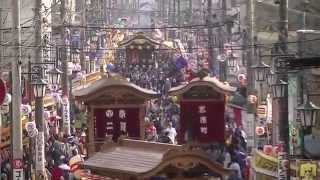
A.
pixel 172 132
pixel 234 165
pixel 151 132
pixel 165 138
pixel 57 172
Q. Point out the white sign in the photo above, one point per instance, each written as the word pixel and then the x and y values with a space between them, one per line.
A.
pixel 40 152
pixel 30 126
pixel 282 166
pixel 203 119
pixel 18 174
pixel 249 129
pixel 269 109
pixel 4 108
pixel 7 99
pixel 66 115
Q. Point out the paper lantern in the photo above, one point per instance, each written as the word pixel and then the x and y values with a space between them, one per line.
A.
pixel 252 99
pixel 268 149
pixel 260 131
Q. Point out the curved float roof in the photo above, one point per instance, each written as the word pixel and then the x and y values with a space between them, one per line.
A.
pixel 146 159
pixel 108 82
pixel 206 81
pixel 138 39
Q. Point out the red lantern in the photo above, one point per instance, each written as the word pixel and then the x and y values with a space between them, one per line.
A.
pixel 268 149
pixel 260 131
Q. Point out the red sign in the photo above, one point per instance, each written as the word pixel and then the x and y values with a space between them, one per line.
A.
pixel 115 122
pixel 17 164
pixel 3 91
pixel 202 121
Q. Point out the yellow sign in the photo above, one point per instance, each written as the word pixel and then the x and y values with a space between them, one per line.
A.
pixel 307 170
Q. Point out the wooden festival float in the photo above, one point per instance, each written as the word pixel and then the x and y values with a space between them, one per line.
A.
pixel 119 153
pixel 115 107
pixel 202 108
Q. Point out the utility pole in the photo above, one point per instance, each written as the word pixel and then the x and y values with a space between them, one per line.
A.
pixel 283 108
pixel 16 124
pixel 64 63
pixel 179 18
pixel 283 39
pixel 223 31
pixel 174 13
pixel 283 26
pixel 210 34
pixel 82 35
pixel 249 43
pixel 1 37
pixel 40 123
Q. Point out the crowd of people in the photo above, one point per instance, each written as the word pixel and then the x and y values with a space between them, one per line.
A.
pixel 63 155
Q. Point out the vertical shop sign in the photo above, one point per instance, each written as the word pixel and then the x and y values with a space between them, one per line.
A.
pixel 283 163
pixel 250 129
pixel 66 115
pixel 40 152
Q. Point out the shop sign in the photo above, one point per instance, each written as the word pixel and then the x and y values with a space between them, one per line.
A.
pixel 283 163
pixel 40 152
pixel 307 169
pixel 66 115
pixel 249 129
pixel 262 111
pixel 18 174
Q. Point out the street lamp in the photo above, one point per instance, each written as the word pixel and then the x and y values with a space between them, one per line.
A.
pixel 39 87
pixel 279 88
pixel 95 37
pixel 232 61
pixel 260 70
pixel 54 76
pixel 271 76
pixel 308 113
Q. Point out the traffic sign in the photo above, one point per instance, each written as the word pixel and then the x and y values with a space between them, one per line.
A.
pixel 3 91
pixel 17 164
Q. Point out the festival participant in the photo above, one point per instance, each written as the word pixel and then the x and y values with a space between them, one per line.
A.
pixel 151 132
pixel 172 132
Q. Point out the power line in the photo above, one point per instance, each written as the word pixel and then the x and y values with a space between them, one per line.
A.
pixel 233 47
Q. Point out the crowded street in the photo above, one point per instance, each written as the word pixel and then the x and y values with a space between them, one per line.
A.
pixel 159 89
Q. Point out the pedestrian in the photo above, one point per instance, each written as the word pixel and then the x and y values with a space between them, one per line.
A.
pixel 172 133
pixel 151 132
pixel 234 165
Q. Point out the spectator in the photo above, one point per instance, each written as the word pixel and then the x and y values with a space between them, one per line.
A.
pixel 151 132
pixel 166 138
pixel 172 132
pixel 234 165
